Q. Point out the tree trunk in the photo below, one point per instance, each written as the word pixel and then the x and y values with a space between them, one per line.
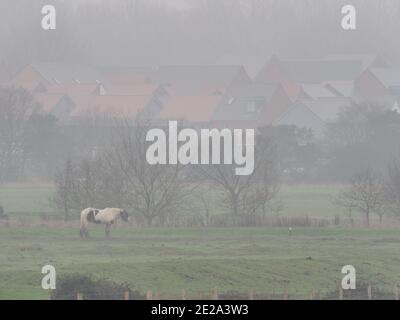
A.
pixel 149 219
pixel 367 218
pixel 235 205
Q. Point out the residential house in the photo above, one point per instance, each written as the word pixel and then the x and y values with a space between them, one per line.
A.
pixel 190 109
pixel 251 105
pixel 313 114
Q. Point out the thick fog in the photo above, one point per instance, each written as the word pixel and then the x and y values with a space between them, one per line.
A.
pixel 136 32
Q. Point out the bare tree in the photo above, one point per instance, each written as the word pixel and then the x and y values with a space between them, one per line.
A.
pixel 152 191
pixel 64 182
pixel 16 106
pixel 248 196
pixel 392 187
pixel 87 183
pixel 365 194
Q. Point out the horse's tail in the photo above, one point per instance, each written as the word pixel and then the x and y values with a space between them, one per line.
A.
pixel 84 222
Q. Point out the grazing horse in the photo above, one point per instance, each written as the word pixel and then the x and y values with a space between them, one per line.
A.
pixel 106 216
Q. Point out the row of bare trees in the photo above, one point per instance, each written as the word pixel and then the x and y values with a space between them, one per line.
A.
pixel 119 175
pixel 371 192
pixel 26 134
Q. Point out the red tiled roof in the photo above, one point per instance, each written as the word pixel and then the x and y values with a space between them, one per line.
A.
pixel 109 105
pixel 72 89
pixel 48 101
pixel 27 85
pixel 133 89
pixel 190 108
pixel 127 79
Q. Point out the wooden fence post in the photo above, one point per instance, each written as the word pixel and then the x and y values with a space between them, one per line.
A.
pixel 340 293
pixel 251 295
pixel 126 295
pixel 79 296
pixel 369 289
pixel 396 292
pixel 149 295
pixel 285 296
pixel 214 294
pixel 183 294
pixel 312 295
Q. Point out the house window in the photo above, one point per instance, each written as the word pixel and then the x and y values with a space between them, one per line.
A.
pixel 255 105
pixel 251 107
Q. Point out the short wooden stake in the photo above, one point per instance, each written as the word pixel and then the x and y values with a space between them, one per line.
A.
pixel 214 294
pixel 149 295
pixel 79 296
pixel 340 293
pixel 251 295
pixel 126 295
pixel 183 294
pixel 369 292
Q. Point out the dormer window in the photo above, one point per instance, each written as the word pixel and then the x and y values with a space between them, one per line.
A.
pixel 251 107
pixel 100 90
pixel 255 105
pixel 396 107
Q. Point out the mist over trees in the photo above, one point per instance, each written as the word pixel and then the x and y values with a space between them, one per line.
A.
pixel 135 32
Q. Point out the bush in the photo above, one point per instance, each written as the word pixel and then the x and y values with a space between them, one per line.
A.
pixel 2 213
pixel 91 289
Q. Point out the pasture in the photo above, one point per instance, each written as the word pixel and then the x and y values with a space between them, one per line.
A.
pixel 299 200
pixel 266 261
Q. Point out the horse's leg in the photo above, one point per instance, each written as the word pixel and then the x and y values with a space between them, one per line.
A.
pixel 108 226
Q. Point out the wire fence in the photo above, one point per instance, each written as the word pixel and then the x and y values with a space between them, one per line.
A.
pixel 363 293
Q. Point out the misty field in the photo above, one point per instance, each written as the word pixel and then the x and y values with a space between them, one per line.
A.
pixel 298 200
pixel 265 261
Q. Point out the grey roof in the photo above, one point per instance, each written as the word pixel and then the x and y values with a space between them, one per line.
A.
pixel 327 109
pixel 183 74
pixel 301 116
pixel 390 77
pixel 233 103
pixel 343 88
pixel 252 64
pixel 65 73
pixel 317 70
pixel 316 91
pixel 367 60
pixel 377 102
pixel 313 114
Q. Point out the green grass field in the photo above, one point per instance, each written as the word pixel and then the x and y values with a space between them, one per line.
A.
pixel 168 260
pixel 266 261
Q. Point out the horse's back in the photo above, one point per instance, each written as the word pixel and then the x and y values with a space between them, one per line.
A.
pixel 108 215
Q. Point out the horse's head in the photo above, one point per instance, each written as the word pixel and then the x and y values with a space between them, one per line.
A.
pixel 124 215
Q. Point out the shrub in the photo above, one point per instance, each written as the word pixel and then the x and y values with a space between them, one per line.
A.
pixel 91 289
pixel 2 213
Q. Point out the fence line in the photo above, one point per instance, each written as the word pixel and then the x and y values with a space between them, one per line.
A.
pixel 215 295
